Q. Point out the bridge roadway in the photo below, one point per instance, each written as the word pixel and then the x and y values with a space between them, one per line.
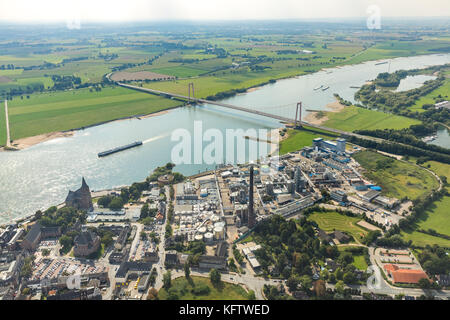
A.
pixel 261 113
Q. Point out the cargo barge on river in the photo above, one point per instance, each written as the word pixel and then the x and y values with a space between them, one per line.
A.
pixel 119 149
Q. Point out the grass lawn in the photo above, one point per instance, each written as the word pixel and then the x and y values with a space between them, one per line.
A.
pixel 358 260
pixel 297 139
pixel 331 221
pixel 360 263
pixel 49 112
pixel 183 288
pixel 400 179
pixel 354 118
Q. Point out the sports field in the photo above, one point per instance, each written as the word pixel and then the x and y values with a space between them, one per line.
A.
pixel 398 179
pixel 58 111
pixel 331 221
pixel 353 118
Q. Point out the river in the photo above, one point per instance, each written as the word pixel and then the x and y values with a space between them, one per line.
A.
pixel 41 176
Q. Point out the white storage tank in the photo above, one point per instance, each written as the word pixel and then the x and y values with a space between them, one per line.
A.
pixel 219 233
pixel 198 237
pixel 215 218
pixel 202 230
pixel 220 224
pixel 209 237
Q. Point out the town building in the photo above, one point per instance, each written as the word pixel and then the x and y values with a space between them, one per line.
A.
pixel 406 276
pixel 86 243
pixel 80 199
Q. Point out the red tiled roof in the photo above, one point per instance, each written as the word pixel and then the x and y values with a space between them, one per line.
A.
pixel 408 276
pixel 390 267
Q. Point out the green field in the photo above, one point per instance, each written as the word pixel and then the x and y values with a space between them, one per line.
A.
pixel 298 139
pixel 400 179
pixel 438 216
pixel 440 93
pixel 358 260
pixel 49 112
pixel 353 118
pixel 331 221
pixel 2 124
pixel 421 239
pixel 183 288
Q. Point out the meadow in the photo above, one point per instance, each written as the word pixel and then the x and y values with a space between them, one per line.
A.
pixel 421 239
pixel 183 289
pixel 331 221
pixel 59 111
pixel 438 215
pixel 432 98
pixel 354 118
pixel 398 179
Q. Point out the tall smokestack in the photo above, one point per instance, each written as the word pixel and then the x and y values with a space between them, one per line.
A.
pixel 251 214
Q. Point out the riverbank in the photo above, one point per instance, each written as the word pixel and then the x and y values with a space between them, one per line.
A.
pixel 318 118
pixel 24 143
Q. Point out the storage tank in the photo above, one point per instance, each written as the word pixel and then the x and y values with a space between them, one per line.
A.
pixel 209 237
pixel 219 224
pixel 215 218
pixel 219 233
pixel 202 230
pixel 198 237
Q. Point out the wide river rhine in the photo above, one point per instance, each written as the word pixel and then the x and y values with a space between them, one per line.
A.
pixel 41 176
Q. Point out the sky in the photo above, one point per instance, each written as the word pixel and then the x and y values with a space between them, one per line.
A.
pixel 154 10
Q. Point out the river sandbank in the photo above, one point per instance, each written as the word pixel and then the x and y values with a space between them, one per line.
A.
pixel 313 117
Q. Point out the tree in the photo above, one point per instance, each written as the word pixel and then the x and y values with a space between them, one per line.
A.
pixel 251 295
pixel 292 283
pixel 215 277
pixel 167 280
pixel 305 283
pixel 320 289
pixel 66 242
pixel 340 286
pixel 152 294
pixel 187 270
pixel 424 283
pixel 116 204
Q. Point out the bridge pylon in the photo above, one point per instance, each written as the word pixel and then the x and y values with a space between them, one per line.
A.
pixel 191 85
pixel 298 116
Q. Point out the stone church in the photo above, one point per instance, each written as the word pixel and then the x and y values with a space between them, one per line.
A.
pixel 80 199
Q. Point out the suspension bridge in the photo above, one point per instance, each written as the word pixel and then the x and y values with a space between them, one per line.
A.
pixel 297 122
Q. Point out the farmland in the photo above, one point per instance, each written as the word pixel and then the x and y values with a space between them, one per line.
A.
pixel 398 179
pixel 216 59
pixel 59 111
pixel 2 124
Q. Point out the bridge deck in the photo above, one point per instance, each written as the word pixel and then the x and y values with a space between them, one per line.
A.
pixel 261 113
